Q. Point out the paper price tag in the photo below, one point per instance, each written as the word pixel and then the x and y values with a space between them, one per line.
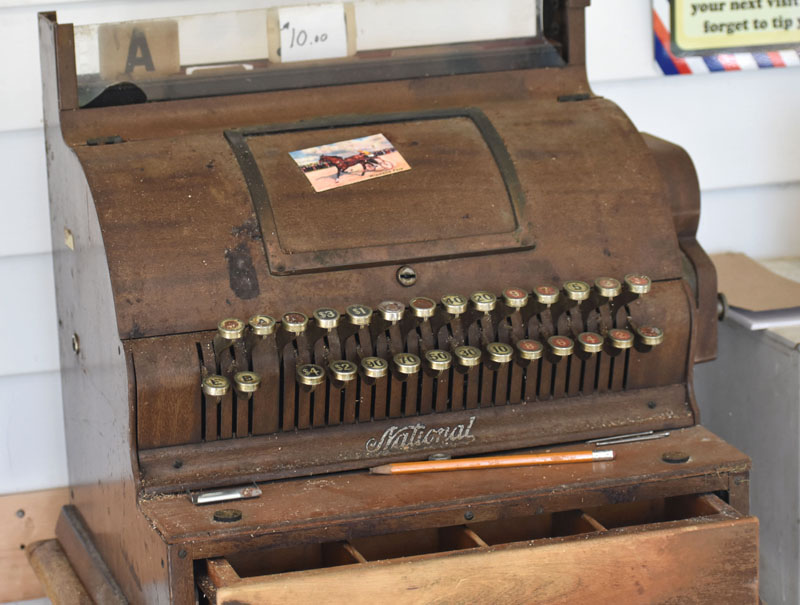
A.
pixel 312 32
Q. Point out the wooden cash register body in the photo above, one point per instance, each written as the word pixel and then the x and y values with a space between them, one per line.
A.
pixel 184 212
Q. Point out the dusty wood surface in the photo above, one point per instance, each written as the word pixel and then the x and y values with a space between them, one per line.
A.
pixel 27 517
pixel 715 562
pixel 344 505
pixel 61 585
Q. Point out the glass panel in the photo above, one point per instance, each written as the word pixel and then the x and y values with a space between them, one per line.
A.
pixel 304 45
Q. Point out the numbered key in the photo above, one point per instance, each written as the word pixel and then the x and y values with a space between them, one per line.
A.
pixel 294 322
pixel 650 335
pixel 310 374
pixel 438 360
pixel 546 295
pixel 608 287
pixel 374 367
pixel 359 315
pixel 455 304
pixel 230 328
pixel 562 346
pixel 262 325
pixel 530 349
pixel 423 307
pixel 326 318
pixel 407 363
pixel 468 356
pixel 577 290
pixel 343 370
pixel 638 283
pixel 516 298
pixel 500 352
pixel 590 342
pixel 620 338
pixel 391 310
pixel 483 301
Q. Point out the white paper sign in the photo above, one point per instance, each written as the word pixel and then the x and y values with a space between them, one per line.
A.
pixel 317 31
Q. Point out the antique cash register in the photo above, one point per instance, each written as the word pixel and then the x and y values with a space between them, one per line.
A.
pixel 297 243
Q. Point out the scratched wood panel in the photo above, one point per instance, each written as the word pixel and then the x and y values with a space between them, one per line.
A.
pixel 26 518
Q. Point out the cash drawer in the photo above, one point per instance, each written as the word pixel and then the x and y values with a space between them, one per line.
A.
pixel 688 549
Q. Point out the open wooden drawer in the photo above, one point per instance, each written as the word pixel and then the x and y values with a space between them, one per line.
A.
pixel 686 549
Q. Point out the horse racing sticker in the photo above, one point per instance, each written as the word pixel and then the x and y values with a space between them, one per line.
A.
pixel 347 162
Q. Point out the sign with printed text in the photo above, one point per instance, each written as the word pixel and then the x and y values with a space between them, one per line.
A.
pixel 696 37
pixel 312 32
pixel 734 24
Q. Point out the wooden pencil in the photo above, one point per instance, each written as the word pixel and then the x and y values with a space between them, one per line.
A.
pixel 462 464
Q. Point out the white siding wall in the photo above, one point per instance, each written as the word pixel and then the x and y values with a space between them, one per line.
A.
pixel 740 128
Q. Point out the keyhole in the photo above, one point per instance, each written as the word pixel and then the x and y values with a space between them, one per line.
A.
pixel 406 276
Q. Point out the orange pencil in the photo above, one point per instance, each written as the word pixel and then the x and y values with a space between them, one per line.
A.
pixel 463 464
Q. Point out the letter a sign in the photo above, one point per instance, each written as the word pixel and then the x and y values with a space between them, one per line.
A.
pixel 139 50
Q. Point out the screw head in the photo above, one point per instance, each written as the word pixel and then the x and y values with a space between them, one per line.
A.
pixel 227 515
pixel 676 457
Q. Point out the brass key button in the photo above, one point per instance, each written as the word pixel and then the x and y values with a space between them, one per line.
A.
pixel 391 310
pixel 590 342
pixel 455 304
pixel 468 356
pixel 407 363
pixel 343 370
pixel 215 385
pixel 546 295
pixel 374 367
pixel 620 339
pixel 438 360
pixel 515 298
pixel 326 318
pixel 423 307
pixel 561 345
pixel 231 328
pixel 294 322
pixel 246 382
pixel 638 283
pixel 530 349
pixel 262 325
pixel 608 287
pixel 483 301
pixel 577 290
pixel 360 315
pixel 650 335
pixel 310 374
pixel 500 352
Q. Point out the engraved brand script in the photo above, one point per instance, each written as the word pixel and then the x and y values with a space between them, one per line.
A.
pixel 420 436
